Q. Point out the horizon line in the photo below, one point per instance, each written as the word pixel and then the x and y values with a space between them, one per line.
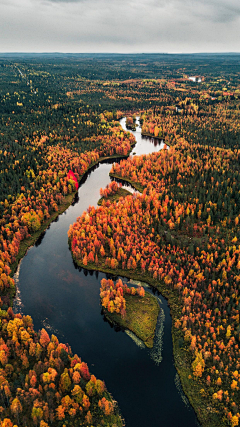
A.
pixel 117 53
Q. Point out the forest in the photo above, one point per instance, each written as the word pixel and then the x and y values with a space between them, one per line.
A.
pixel 59 117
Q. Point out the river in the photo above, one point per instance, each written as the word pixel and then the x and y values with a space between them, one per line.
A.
pixel 65 301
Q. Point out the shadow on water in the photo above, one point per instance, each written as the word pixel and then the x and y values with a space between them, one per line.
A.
pixel 124 183
pixel 40 239
pixel 75 200
pixel 155 141
pixel 64 299
pixel 112 325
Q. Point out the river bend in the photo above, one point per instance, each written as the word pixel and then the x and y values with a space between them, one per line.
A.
pixel 65 301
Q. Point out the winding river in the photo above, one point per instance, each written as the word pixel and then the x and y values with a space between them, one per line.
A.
pixel 65 301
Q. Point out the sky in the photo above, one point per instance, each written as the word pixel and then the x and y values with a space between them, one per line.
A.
pixel 121 26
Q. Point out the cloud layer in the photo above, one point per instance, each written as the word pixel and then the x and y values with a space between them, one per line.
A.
pixel 114 26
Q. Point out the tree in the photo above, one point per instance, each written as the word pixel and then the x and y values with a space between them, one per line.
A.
pixel 198 365
pixel 16 408
pixel 44 338
pixel 65 381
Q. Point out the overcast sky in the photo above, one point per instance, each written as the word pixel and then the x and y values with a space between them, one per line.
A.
pixel 119 26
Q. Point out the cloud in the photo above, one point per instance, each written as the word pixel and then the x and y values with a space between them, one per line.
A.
pixel 222 11
pixel 66 1
pixel 126 26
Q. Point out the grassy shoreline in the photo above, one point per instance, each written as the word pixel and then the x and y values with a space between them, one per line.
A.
pixel 135 185
pixel 160 138
pixel 115 197
pixel 141 317
pixel 27 243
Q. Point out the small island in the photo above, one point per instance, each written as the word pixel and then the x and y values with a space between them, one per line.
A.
pixel 112 193
pixel 131 122
pixel 131 308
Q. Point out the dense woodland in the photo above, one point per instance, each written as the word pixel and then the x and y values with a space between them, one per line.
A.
pixel 58 117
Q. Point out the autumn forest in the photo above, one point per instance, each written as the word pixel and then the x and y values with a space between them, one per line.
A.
pixel 174 230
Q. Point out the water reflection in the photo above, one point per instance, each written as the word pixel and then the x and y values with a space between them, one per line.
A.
pixel 40 239
pixel 112 325
pixel 75 200
pixel 157 142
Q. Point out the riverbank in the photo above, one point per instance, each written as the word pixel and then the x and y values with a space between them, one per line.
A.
pixel 157 138
pixel 114 197
pixel 135 185
pixel 150 135
pixel 27 243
